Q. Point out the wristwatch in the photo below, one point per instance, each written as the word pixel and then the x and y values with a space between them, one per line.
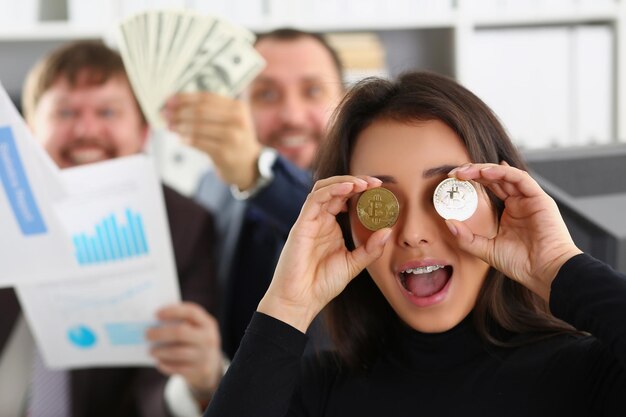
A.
pixel 265 162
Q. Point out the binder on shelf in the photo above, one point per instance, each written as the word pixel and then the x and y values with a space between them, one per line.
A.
pixel 550 86
pixel 86 13
pixel 361 53
pixel 250 14
pixel 594 75
pixel 17 14
pixel 522 75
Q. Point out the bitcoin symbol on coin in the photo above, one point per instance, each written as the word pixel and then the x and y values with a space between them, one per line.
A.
pixel 455 199
pixel 377 208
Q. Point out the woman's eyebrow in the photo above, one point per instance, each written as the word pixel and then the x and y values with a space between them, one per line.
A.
pixel 386 178
pixel 438 171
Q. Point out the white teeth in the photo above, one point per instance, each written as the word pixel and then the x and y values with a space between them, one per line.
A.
pixel 293 141
pixel 85 156
pixel 422 269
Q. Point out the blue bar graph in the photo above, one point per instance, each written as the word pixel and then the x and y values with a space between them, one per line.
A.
pixel 111 241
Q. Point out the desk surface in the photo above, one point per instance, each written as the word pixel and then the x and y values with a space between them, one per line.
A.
pixel 589 180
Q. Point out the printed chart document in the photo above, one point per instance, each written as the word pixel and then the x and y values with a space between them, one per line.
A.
pixel 87 249
pixel 115 218
pixel 32 245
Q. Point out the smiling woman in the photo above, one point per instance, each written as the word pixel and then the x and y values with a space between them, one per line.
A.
pixel 410 135
pixel 431 316
pixel 408 157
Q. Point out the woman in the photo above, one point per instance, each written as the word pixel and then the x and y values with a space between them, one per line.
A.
pixel 430 326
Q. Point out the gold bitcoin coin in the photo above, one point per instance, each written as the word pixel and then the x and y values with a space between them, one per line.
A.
pixel 377 208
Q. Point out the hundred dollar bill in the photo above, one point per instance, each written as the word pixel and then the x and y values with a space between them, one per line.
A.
pixel 171 51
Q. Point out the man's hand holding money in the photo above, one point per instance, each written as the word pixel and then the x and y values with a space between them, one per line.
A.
pixel 222 128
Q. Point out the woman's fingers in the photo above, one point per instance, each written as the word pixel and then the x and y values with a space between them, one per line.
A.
pixel 532 241
pixel 331 194
pixel 371 181
pixel 318 201
pixel 511 181
pixel 364 255
pixel 476 245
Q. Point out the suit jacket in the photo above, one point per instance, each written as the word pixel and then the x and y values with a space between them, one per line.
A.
pixel 138 391
pixel 279 202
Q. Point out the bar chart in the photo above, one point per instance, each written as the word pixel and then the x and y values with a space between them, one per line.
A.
pixel 112 241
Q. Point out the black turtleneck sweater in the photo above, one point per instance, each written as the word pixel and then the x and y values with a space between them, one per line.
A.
pixel 448 374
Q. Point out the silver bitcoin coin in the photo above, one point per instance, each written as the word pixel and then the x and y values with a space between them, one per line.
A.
pixel 455 199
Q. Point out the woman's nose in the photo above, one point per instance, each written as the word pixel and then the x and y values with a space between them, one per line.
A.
pixel 416 225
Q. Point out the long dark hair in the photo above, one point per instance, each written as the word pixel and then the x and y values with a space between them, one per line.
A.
pixel 360 320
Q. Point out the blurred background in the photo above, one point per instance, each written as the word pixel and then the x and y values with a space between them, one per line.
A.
pixel 554 71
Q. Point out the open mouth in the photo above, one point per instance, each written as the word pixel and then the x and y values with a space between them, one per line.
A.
pixel 87 156
pixel 83 152
pixel 425 281
pixel 293 141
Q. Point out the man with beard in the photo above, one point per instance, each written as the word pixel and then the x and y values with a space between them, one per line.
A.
pixel 262 148
pixel 80 106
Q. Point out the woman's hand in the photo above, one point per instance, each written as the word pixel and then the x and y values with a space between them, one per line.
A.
pixel 532 242
pixel 315 266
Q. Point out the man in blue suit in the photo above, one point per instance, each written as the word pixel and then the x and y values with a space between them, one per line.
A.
pixel 262 147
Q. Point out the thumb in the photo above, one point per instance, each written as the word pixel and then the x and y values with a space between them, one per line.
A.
pixel 372 250
pixel 476 245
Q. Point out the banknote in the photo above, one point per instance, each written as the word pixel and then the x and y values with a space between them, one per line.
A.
pixel 171 51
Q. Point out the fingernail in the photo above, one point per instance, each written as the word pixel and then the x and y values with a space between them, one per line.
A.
pixel 376 180
pixel 452 228
pixel 460 169
pixel 386 236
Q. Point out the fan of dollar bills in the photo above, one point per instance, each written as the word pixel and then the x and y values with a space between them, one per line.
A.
pixel 170 51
